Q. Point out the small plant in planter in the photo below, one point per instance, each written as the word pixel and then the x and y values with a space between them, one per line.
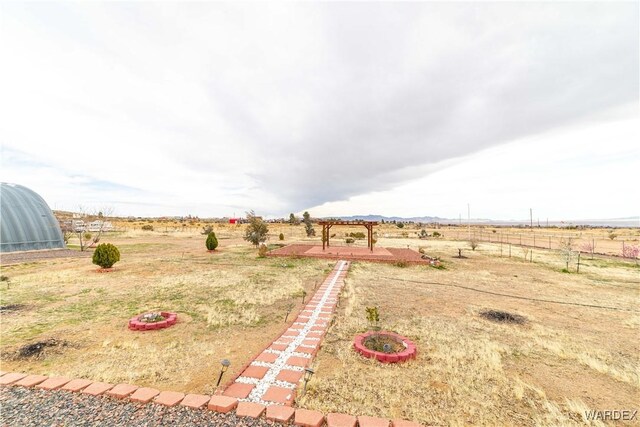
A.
pixel 151 318
pixel 106 255
pixel 212 242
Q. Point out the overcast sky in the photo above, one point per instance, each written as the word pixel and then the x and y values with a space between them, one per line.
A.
pixel 403 109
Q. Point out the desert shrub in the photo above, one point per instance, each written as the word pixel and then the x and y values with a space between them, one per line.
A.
pixel 474 244
pixel 206 230
pixel 422 250
pixel 612 235
pixel 349 240
pixel 436 234
pixel 281 236
pixel 262 250
pixel 257 229
pixel 401 264
pixel 400 225
pixel 357 235
pixel 106 255
pixel 212 241
pixel 308 226
pixel 87 236
pixel 631 252
pixel 147 227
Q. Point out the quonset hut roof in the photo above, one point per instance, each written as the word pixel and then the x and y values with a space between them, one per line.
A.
pixel 26 222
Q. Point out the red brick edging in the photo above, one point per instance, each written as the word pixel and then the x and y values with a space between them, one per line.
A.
pixel 410 351
pixel 218 403
pixel 136 325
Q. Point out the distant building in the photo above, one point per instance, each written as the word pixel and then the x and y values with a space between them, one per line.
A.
pixel 26 221
pixel 234 220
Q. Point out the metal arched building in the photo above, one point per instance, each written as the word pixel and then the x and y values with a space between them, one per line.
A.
pixel 26 222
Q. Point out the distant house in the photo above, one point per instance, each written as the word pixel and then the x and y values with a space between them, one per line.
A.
pixel 234 220
pixel 100 225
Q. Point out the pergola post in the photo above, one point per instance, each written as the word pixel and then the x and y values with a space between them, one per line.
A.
pixel 326 230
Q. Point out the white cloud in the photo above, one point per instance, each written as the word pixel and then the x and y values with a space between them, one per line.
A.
pixel 211 108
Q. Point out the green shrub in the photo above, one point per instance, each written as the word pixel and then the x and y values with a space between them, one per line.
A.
pixel 357 235
pixel 400 225
pixel 436 234
pixel 106 255
pixel 281 237
pixel 349 240
pixel 212 241
pixel 147 227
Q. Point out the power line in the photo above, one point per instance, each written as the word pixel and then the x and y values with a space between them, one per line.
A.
pixel 512 296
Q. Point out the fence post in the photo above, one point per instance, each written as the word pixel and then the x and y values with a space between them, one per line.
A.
pixel 509 250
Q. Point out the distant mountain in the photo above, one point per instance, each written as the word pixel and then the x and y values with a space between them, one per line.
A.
pixel 379 218
pixel 612 222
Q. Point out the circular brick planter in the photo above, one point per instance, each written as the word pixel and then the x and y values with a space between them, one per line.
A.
pixel 170 319
pixel 410 351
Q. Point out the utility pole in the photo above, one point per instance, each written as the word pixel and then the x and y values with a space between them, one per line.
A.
pixel 469 220
pixel 531 218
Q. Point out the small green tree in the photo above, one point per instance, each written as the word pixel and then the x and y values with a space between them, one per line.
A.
pixel 308 225
pixel 106 255
pixel 400 225
pixel 257 229
pixel 373 317
pixel 212 241
pixel 281 236
pixel 293 220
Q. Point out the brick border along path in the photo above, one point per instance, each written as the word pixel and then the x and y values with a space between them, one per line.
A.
pixel 273 375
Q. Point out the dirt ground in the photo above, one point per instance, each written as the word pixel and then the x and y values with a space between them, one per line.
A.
pixel 564 360
pixel 577 350
pixel 230 305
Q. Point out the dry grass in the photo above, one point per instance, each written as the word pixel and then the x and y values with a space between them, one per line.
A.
pixel 230 304
pixel 564 360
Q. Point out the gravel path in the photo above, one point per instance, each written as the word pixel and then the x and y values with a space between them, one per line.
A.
pixel 29 407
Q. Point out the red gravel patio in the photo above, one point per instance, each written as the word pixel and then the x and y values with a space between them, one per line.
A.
pixel 351 253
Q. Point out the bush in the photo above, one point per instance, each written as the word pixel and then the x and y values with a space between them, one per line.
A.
pixel 400 225
pixel 106 255
pixel 257 229
pixel 436 234
pixel 147 227
pixel 212 241
pixel 357 235
pixel 349 240
pixel 262 250
pixel 281 236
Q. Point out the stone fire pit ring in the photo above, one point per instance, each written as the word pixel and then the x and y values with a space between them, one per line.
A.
pixel 170 319
pixel 410 350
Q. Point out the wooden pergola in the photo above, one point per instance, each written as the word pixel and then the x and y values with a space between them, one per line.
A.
pixel 326 226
